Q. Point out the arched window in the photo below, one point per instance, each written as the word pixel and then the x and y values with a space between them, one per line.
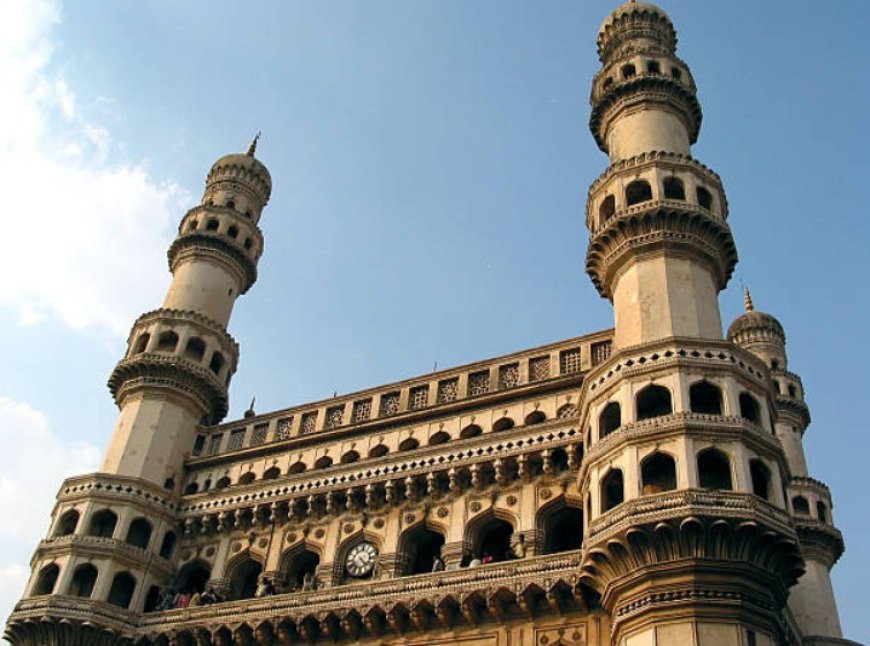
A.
pixel 248 244
pixel 300 565
pixel 152 598
pixel 46 580
pixel 705 198
pixel 608 82
pixel 167 341
pixel 441 437
pixel 792 391
pixel 653 401
pixel 247 478
pixel 419 547
pixel 705 398
pixel 378 451
pixel 167 545
pixel 638 191
pixel 121 592
pixel 503 424
pixel 658 473
pixel 612 490
pixel 216 363
pixel 350 457
pixel 714 470
pixel 822 511
pixel 193 576
pixel 67 523
pixel 674 189
pixel 801 506
pixel 103 524
pixel 491 539
pixel 607 208
pixel 535 417
pixel 562 529
pixel 749 409
pixel 192 226
pixel 139 533
pixel 169 483
pixel 472 430
pixel 233 231
pixel 222 483
pixel 271 473
pixel 191 488
pixel 195 349
pixel 211 225
pixel 653 67
pixel 609 420
pixel 760 476
pixel 243 579
pixel 83 580
pixel 774 364
pixel 323 462
pixel 296 467
pixel 409 444
pixel 142 343
pixel 231 204
pixel 628 71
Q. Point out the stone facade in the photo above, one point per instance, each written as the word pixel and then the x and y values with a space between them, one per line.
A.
pixel 639 486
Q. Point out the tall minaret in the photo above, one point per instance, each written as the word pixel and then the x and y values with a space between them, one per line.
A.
pixel 113 534
pixel 688 538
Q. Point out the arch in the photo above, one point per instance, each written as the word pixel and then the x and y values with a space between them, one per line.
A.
pixel 192 225
pixel 296 467
pixel 167 341
pixel 628 70
pixel 222 482
pixel 340 573
pixel 298 565
pixel 244 574
pixel 658 473
pixel 216 363
pixel 46 580
pixel 233 231
pixel 714 470
pixel 139 533
pixel 822 511
pixel 323 462
pixel 142 343
pixel 800 505
pixel 749 408
pixel 653 67
pixel 677 73
pixel 193 576
pixel 612 490
pixel 674 189
pixel 441 437
pixel 103 523
pixel 706 398
pixel 230 203
pixel 760 476
pixel 152 598
pixel 472 430
pixel 792 391
pixel 350 457
pixel 191 488
pixel 211 224
pixel 489 536
pixel 409 444
pixel 271 473
pixel 195 349
pixel 379 451
pixel 167 545
pixel 535 417
pixel 607 208
pixel 609 420
pixel 705 198
pixel 121 592
pixel 248 244
pixel 560 526
pixel 653 401
pixel 83 580
pixel 638 191
pixel 67 523
pixel 419 546
pixel 503 424
pixel 247 478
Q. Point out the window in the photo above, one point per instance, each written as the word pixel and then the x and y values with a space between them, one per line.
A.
pixel 569 361
pixel 121 592
pixel 601 352
pixel 350 457
pixel 47 579
pixel 258 435
pixel 822 511
pixel 167 545
pixel 705 398
pixel 419 397
pixel 139 533
pixel 653 67
pixel 653 401
pixel 535 417
pixel 509 376
pixel 198 445
pixel 714 470
pixel 503 424
pixel 478 383
pixel 233 231
pixel 214 443
pixel 334 416
pixel 142 343
pixel 236 440
pixel 216 363
pixel 677 73
pixel 82 584
pixel 674 189
pixel 448 390
pixel 247 478
pixel 749 409
pixel 362 410
pixel 637 192
pixel 282 429
pixel 103 524
pixel 378 451
pixel 628 71
pixel 472 430
pixel 612 490
pixel 211 225
pixel 419 547
pixel 195 349
pixel 760 475
pixel 539 368
pixel 607 209
pixel 658 473
pixel 271 473
pixel 309 422
pixel 609 420
pixel 389 404
pixel 67 523
pixel 243 579
pixel 705 198
pixel 409 444
pixel 801 506
pixel 323 462
pixel 167 341
pixel 441 437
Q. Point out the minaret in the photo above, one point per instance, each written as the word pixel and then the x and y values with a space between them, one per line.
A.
pixel 113 534
pixel 812 600
pixel 688 538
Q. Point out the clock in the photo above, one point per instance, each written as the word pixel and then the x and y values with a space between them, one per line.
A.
pixel 361 560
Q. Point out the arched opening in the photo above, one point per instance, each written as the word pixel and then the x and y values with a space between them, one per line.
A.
pixel 216 363
pixel 243 578
pixel 420 546
pixel 378 451
pixel 350 457
pixel 612 490
pixel 211 224
pixel 714 470
pixel 103 523
pixel 749 409
pixel 193 577
pixel 84 578
pixel 792 391
pixel 441 437
pixel 67 523
pixel 296 467
pixel 46 580
pixel 323 462
pixel 248 244
pixel 195 349
pixel 503 424
pixel 409 444
pixel 222 483
pixel 167 545
pixel 705 198
pixel 192 225
pixel 677 73
pixel 271 473
pixel 822 511
pixel 300 570
pixel 472 430
pixel 167 341
pixel 121 592
pixel 609 420
pixel 658 473
pixel 139 533
pixel 191 488
pixel 607 208
pixel 247 478
pixel 562 528
pixel 760 475
pixel 152 598
pixel 169 483
pixel 628 71
pixel 653 67
pixel 142 343
pixel 674 189
pixel 492 540
pixel 705 398
pixel 774 364
pixel 535 417
pixel 653 401
pixel 638 191
pixel 233 232
pixel 231 204
pixel 800 505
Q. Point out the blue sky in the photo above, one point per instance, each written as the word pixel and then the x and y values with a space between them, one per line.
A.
pixel 430 163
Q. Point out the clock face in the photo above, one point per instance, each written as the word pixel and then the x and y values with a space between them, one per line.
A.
pixel 361 559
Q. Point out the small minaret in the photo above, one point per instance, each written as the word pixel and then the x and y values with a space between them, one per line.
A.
pixel 812 599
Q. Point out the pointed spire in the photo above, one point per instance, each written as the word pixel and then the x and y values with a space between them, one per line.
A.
pixel 747 300
pixel 253 147
pixel 250 412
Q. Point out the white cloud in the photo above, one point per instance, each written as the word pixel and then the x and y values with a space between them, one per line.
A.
pixel 77 230
pixel 33 461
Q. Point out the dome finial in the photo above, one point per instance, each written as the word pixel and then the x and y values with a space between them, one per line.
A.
pixel 253 147
pixel 747 300
pixel 250 412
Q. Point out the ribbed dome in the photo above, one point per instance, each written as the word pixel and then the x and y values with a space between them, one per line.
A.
pixel 246 162
pixel 629 16
pixel 753 322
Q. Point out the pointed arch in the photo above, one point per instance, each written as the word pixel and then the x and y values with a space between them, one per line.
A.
pixel 409 444
pixel 339 573
pixel 83 580
pixel 653 401
pixel 298 563
pixel 503 424
pixel 103 524
pixel 121 592
pixel 379 451
pixel 46 580
pixel 193 576
pixel 297 467
pixel 705 398
pixel 472 430
pixel 609 420
pixel 350 457
pixel 612 490
pixel 714 470
pixel 658 473
pixel 139 533
pixel 417 548
pixel 441 437
pixel 67 523
pixel 243 572
pixel 535 417
pixel 560 525
pixel 489 534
